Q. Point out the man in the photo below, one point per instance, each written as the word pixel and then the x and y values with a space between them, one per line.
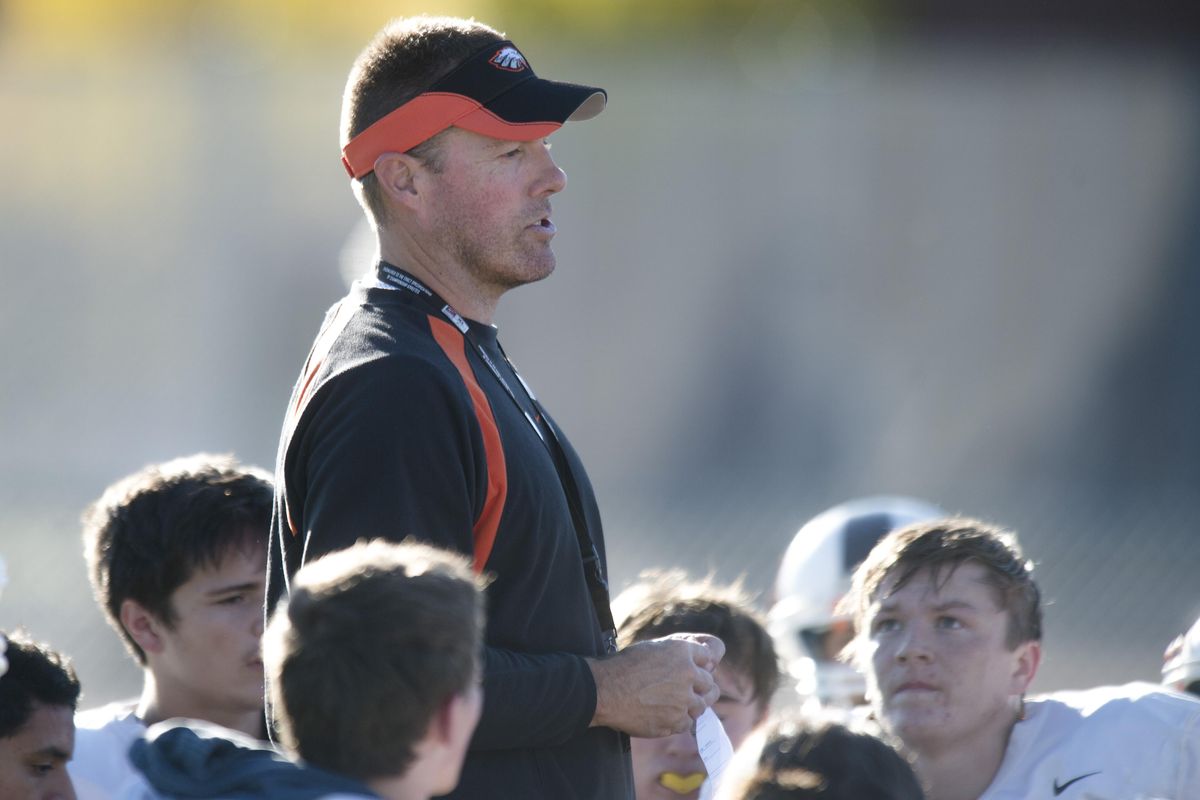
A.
pixel 665 603
pixel 38 693
pixel 409 420
pixel 176 554
pixel 949 627
pixel 373 666
pixel 813 577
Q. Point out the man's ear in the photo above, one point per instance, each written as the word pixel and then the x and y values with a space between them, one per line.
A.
pixel 142 626
pixel 446 725
pixel 396 174
pixel 1028 656
pixel 455 720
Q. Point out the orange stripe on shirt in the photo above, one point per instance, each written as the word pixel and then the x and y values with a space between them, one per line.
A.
pixel 454 345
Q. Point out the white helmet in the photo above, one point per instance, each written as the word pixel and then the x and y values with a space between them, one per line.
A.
pixel 1181 662
pixel 813 578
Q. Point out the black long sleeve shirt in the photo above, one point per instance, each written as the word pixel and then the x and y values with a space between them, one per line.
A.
pixel 397 428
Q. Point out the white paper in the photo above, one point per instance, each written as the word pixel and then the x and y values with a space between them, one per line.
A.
pixel 715 751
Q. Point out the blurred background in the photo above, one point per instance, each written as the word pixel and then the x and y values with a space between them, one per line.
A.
pixel 811 251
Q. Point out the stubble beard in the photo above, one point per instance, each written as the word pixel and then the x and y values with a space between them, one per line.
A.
pixel 504 268
pixel 495 262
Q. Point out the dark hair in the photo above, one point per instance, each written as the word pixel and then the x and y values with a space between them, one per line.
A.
pixel 404 59
pixel 36 675
pixel 941 546
pixel 150 531
pixel 662 603
pixel 371 642
pixel 794 759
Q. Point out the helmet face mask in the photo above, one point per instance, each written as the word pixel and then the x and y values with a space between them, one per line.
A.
pixel 820 673
pixel 827 643
pixel 813 578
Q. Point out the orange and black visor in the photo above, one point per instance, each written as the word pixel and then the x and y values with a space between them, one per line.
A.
pixel 494 93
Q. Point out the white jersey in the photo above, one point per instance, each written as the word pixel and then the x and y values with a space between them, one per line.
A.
pixel 1132 742
pixel 100 767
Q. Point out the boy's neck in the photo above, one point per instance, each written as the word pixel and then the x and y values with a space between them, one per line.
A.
pixel 159 703
pixel 963 771
pixel 409 786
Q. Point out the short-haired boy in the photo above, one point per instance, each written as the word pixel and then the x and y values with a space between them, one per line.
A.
pixel 948 622
pixel 38 692
pixel 176 554
pixel 374 668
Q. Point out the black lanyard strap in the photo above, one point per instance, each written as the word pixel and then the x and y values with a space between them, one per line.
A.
pixel 597 584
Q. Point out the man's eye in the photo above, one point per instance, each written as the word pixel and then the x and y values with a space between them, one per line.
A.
pixel 232 600
pixel 513 153
pixel 949 622
pixel 885 625
pixel 41 769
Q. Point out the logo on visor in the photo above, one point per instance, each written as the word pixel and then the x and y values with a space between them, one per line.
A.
pixel 509 58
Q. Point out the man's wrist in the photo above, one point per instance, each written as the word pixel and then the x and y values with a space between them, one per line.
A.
pixel 600 671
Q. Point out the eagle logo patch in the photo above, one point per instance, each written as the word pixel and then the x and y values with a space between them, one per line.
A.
pixel 509 58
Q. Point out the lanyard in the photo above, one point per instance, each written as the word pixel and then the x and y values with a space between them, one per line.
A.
pixel 597 585
pixel 399 279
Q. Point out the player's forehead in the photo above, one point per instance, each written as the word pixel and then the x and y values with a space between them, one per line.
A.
pixel 49 732
pixel 240 557
pixel 242 564
pixel 964 585
pixel 737 686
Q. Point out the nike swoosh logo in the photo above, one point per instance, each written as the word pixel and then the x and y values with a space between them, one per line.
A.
pixel 1060 789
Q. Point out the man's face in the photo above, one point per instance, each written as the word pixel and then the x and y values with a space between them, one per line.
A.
pixel 489 207
pixel 940 670
pixel 670 768
pixel 210 665
pixel 33 761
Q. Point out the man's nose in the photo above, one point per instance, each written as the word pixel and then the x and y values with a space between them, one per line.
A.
pixel 552 180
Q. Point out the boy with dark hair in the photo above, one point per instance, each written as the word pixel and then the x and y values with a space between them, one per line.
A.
pixel 38 693
pixel 803 759
pixel 374 671
pixel 176 554
pixel 949 627
pixel 668 603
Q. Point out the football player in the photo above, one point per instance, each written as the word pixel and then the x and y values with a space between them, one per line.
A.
pixel 813 577
pixel 949 629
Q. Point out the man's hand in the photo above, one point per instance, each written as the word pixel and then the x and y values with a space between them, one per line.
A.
pixel 657 687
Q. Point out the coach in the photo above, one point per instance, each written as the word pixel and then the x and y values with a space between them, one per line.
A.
pixel 409 420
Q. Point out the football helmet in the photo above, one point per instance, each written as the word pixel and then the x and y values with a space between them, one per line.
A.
pixel 814 576
pixel 1181 662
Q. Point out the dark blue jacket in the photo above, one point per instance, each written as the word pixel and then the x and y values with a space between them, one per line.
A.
pixel 193 759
